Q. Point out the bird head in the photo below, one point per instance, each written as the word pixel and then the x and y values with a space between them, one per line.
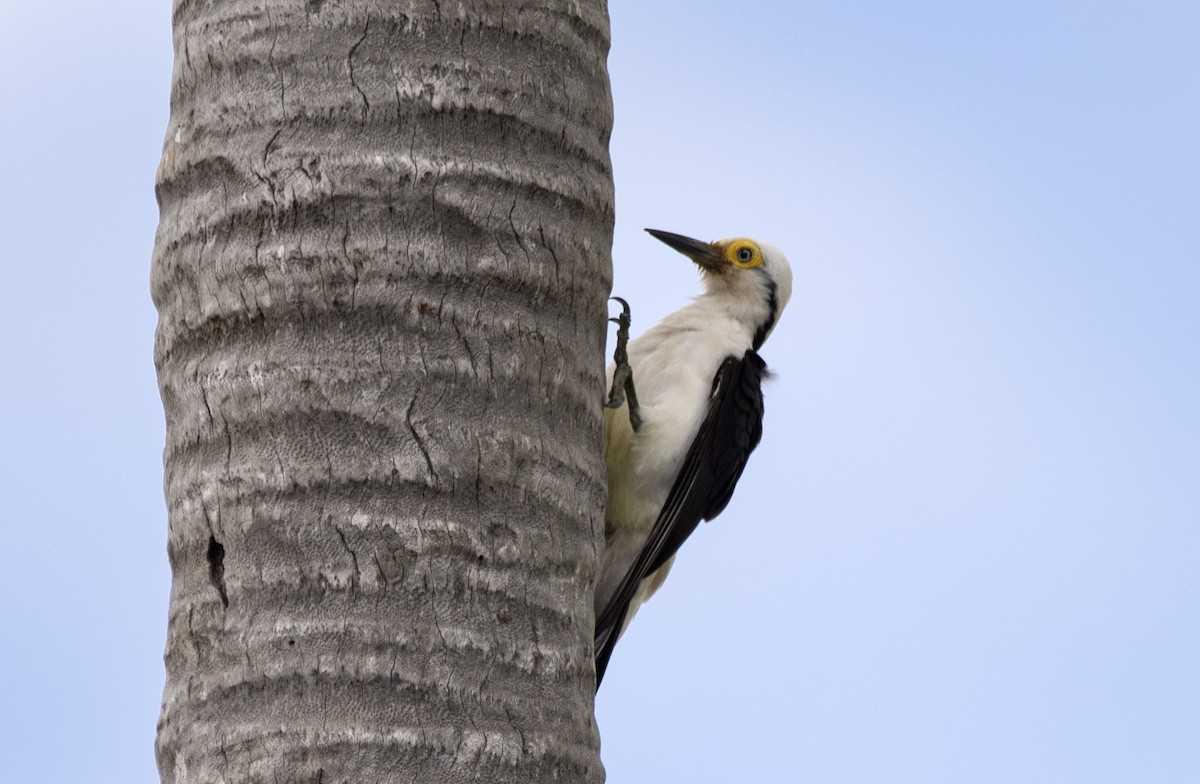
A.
pixel 753 277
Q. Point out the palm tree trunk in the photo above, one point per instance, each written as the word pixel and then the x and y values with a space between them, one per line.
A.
pixel 380 271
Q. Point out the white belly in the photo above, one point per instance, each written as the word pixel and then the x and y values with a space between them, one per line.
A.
pixel 673 371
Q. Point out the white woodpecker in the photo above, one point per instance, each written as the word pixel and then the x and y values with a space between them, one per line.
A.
pixel 675 449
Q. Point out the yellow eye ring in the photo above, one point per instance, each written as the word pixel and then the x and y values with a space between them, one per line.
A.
pixel 744 254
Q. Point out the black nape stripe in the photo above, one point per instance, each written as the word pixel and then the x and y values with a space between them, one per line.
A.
pixel 772 313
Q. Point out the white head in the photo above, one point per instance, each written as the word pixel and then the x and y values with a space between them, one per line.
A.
pixel 753 279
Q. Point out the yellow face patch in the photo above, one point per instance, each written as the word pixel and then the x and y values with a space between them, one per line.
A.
pixel 744 254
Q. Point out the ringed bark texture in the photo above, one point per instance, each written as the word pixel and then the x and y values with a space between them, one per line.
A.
pixel 381 271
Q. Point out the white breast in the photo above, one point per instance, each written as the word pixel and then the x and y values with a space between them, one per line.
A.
pixel 673 364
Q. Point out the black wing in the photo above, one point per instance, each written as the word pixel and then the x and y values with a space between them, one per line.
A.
pixel 729 433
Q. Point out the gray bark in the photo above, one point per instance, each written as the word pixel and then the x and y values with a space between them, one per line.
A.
pixel 381 271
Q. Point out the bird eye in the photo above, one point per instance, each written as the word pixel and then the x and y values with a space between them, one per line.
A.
pixel 745 254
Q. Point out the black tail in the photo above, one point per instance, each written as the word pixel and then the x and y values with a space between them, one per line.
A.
pixel 606 640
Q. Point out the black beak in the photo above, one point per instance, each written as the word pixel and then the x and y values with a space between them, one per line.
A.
pixel 703 253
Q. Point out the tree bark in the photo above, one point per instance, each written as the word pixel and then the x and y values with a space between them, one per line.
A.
pixel 381 271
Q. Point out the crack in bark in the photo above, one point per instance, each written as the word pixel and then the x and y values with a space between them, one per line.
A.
pixel 420 442
pixel 355 578
pixel 350 66
pixel 216 568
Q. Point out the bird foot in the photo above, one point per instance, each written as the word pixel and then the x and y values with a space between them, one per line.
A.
pixel 622 384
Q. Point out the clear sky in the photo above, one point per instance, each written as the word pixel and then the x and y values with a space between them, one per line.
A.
pixel 968 549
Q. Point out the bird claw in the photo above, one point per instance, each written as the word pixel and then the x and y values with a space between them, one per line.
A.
pixel 622 384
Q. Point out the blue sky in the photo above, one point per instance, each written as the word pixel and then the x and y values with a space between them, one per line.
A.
pixel 968 549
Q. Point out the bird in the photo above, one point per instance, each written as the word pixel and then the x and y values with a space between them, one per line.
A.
pixel 683 414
